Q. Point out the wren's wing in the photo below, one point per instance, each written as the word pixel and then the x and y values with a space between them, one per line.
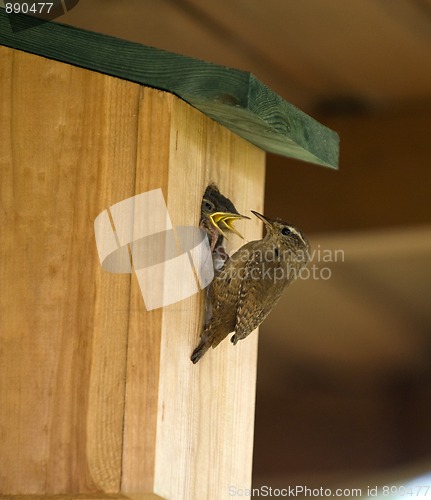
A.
pixel 223 294
pixel 252 306
pixel 259 291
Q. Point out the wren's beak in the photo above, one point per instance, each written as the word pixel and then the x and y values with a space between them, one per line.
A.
pixel 224 221
pixel 266 221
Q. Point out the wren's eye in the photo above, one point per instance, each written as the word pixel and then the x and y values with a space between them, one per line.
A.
pixel 207 205
pixel 285 231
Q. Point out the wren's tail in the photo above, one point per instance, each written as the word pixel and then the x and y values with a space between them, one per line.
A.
pixel 212 335
pixel 200 350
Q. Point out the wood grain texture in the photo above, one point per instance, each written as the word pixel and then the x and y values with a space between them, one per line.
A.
pixel 143 359
pixel 206 411
pixel 234 98
pixel 189 429
pixel 84 496
pixel 98 394
pixel 63 322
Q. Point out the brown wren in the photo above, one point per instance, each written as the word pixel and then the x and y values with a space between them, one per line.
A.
pixel 251 282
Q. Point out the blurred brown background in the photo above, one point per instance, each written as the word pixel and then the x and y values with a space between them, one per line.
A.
pixel 344 393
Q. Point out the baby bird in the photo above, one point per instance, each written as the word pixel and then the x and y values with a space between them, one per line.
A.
pixel 218 214
pixel 251 282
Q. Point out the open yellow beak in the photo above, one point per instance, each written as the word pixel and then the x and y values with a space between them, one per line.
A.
pixel 224 221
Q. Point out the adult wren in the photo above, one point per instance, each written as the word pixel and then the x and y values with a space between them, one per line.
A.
pixel 251 282
pixel 218 214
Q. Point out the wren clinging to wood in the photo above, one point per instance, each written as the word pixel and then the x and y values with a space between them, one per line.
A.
pixel 218 214
pixel 251 282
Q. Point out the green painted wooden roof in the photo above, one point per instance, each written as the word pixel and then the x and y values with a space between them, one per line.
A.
pixel 234 98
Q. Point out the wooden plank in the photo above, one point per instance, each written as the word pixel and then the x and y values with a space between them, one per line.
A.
pixel 189 429
pixel 84 496
pixel 63 323
pixel 185 29
pixel 206 419
pixel 234 98
pixel 143 357
pixel 98 394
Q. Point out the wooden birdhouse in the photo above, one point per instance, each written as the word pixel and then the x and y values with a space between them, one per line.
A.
pixel 98 396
